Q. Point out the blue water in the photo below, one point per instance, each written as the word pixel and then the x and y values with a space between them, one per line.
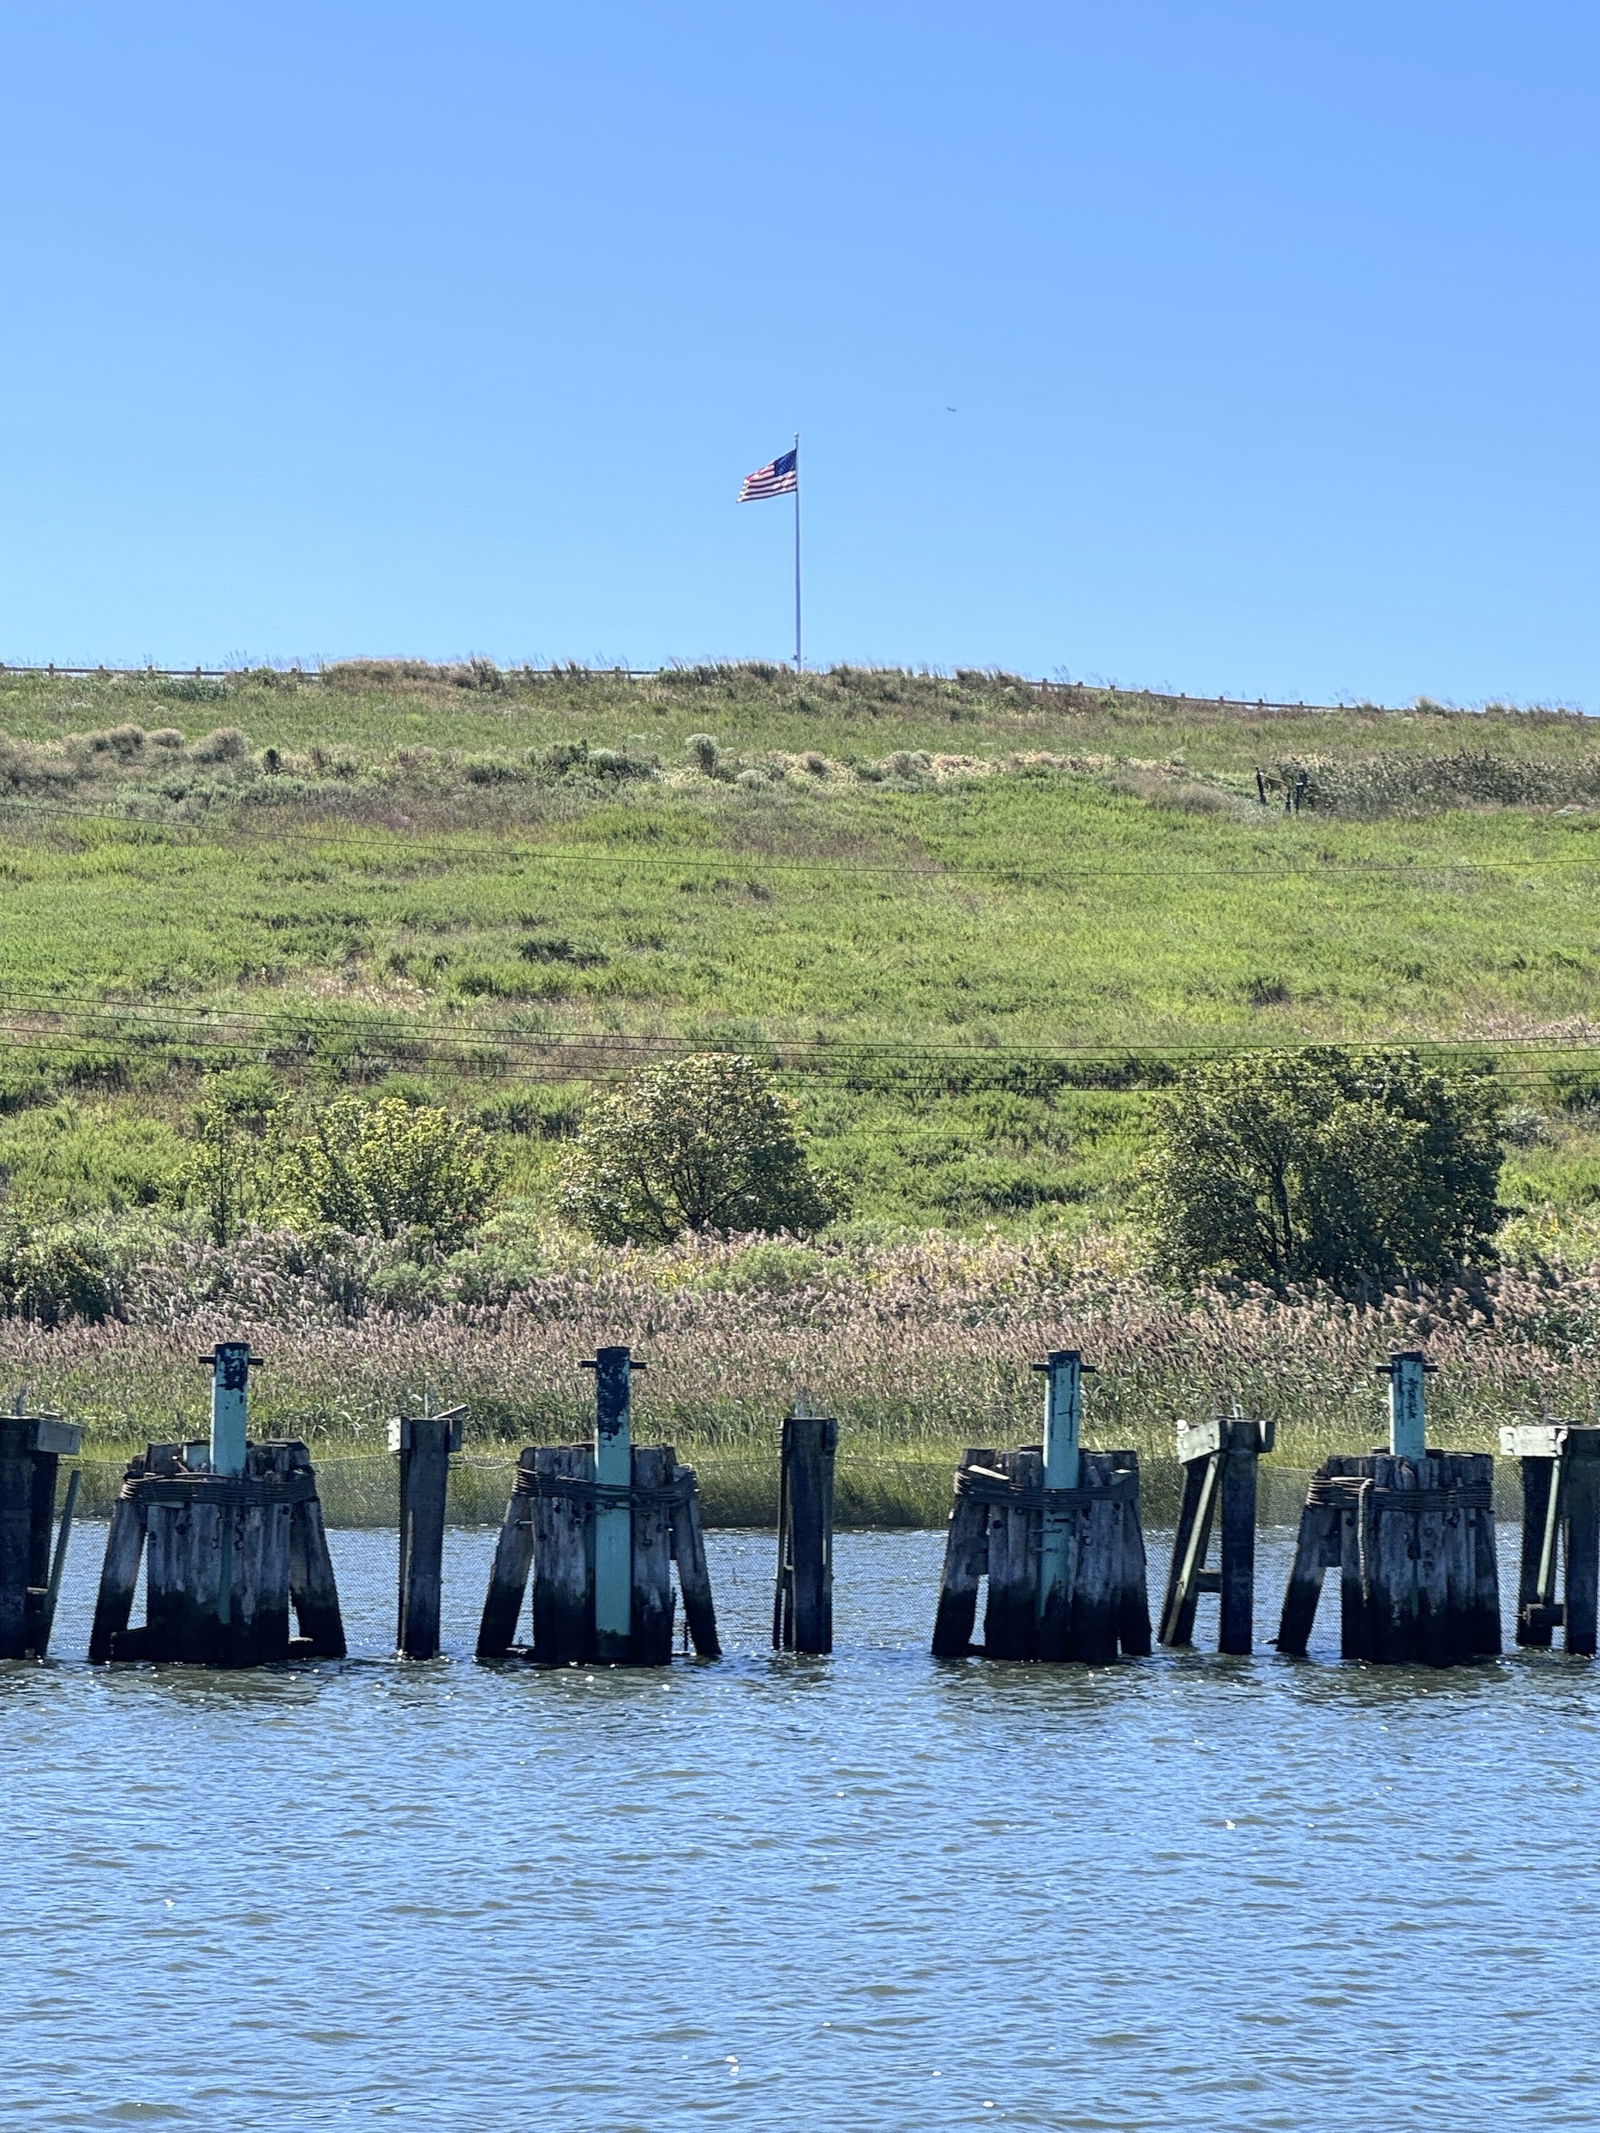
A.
pixel 867 1892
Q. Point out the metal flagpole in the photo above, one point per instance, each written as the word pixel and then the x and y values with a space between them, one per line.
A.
pixel 797 658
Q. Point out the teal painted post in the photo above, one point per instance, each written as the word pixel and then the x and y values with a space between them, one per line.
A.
pixel 613 1521
pixel 230 1402
pixel 1405 1369
pixel 1063 1371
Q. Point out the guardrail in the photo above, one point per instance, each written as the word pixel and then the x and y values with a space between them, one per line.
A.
pixel 1156 696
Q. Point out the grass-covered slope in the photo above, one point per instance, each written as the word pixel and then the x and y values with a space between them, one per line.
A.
pixel 969 916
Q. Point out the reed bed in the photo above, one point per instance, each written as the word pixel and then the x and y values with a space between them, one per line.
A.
pixel 920 1348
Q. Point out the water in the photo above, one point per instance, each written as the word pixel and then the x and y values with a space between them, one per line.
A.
pixel 871 1892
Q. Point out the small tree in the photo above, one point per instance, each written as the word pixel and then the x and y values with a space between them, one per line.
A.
pixel 704 1144
pixel 231 1169
pixel 376 1168
pixel 1325 1165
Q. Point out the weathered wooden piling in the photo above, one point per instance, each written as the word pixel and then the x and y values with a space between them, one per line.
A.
pixel 1560 1532
pixel 802 1605
pixel 1219 1460
pixel 424 1444
pixel 564 1524
pixel 31 1449
pixel 1412 1533
pixel 232 1538
pixel 1063 1558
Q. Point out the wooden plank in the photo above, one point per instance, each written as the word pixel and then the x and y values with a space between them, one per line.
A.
pixel 1437 1632
pixel 313 1589
pixel 1097 1600
pixel 1485 1636
pixel 563 1561
pixel 16 1549
pixel 1319 1529
pixel 1580 1538
pixel 966 1563
pixel 424 1492
pixel 119 1578
pixel 1533 1440
pixel 1198 1440
pixel 1011 1621
pixel 1237 1543
pixel 1133 1589
pixel 1394 1567
pixel 1539 1481
pixel 694 1573
pixel 508 1575
pixel 652 1561
pixel 812 1442
pixel 1189 1546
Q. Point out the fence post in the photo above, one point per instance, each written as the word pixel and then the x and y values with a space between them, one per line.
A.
pixel 424 1444
pixel 613 1521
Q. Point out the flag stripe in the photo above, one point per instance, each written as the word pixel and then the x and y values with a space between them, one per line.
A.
pixel 779 477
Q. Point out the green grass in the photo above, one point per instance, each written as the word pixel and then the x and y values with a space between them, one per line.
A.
pixel 883 860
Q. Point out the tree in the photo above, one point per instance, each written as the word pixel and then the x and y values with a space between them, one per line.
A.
pixel 1325 1165
pixel 705 1145
pixel 376 1168
pixel 231 1167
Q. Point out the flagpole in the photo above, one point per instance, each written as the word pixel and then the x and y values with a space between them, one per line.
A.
pixel 797 657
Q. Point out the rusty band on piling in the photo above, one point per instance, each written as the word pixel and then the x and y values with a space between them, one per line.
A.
pixel 672 1494
pixel 222 1489
pixel 982 1486
pixel 1352 1492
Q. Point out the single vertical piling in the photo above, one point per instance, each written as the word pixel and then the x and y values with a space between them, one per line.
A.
pixel 1063 1371
pixel 1560 1532
pixel 613 1511
pixel 231 1363
pixel 1219 1460
pixel 424 1444
pixel 31 1450
pixel 803 1600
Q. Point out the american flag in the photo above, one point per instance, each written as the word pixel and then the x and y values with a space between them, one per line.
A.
pixel 780 477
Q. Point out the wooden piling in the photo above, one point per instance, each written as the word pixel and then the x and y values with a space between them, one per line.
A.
pixel 424 1444
pixel 995 1532
pixel 225 1555
pixel 549 1532
pixel 1219 1460
pixel 966 1563
pixel 802 1614
pixel 31 1449
pixel 1560 1533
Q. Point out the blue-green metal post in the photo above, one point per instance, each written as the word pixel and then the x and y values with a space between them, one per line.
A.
pixel 1063 1371
pixel 1408 1432
pixel 613 1522
pixel 230 1403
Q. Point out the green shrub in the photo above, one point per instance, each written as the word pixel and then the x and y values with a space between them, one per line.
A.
pixel 377 1168
pixel 1324 1165
pixel 49 1276
pixel 704 1144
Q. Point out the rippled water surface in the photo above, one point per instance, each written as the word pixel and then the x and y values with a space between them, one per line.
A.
pixel 872 1891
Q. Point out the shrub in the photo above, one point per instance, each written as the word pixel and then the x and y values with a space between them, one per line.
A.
pixel 49 1276
pixel 378 1167
pixel 704 1144
pixel 226 745
pixel 703 752
pixel 1330 1165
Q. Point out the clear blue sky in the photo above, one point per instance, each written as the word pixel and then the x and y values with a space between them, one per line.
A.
pixel 1269 327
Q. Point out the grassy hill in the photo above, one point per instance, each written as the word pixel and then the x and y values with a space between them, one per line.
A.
pixel 971 917
pixel 972 920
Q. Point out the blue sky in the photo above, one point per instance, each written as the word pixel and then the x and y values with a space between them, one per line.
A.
pixel 1270 332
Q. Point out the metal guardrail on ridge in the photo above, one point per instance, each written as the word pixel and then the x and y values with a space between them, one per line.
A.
pixel 1157 696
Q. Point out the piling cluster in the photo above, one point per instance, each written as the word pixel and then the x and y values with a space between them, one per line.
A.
pixel 601 1545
